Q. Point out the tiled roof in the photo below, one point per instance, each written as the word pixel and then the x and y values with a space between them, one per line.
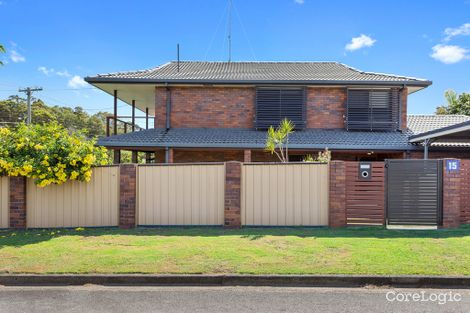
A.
pixel 423 123
pixel 337 139
pixel 305 72
pixel 418 124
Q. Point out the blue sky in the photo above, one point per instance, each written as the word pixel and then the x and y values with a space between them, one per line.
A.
pixel 54 44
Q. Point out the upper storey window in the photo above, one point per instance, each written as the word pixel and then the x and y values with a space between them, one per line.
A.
pixel 275 104
pixel 373 109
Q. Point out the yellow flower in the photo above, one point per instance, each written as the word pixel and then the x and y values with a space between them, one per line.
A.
pixel 73 175
pixel 73 162
pixel 89 159
pixel 38 147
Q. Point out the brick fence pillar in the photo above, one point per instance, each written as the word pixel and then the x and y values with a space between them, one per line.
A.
pixel 127 195
pixel 337 198
pixel 17 202
pixel 451 197
pixel 232 209
pixel 247 155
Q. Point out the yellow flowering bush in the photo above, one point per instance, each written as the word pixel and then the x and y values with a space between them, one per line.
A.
pixel 48 154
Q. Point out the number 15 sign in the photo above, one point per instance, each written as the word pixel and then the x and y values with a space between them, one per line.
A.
pixel 452 165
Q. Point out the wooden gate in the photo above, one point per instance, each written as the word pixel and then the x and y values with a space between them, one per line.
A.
pixel 285 194
pixel 365 199
pixel 465 191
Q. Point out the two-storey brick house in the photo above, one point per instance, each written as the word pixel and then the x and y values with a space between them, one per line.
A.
pixel 219 111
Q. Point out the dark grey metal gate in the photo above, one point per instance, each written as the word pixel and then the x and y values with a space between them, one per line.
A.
pixel 414 192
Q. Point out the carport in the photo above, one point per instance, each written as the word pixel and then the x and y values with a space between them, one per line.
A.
pixel 458 134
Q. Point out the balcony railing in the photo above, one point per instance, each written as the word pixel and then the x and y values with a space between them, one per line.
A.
pixel 122 125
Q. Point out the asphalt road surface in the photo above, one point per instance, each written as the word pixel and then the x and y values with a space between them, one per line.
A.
pixel 227 299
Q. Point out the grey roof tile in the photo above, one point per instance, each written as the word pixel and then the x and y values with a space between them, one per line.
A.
pixel 423 123
pixel 256 72
pixel 338 139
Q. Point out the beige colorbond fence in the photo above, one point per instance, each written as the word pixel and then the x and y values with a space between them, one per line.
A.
pixel 4 202
pixel 183 194
pixel 75 204
pixel 285 194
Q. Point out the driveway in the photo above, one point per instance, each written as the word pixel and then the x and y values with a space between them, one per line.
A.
pixel 222 299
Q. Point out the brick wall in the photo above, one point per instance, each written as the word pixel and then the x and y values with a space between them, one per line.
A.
pixel 219 107
pixel 234 107
pixel 451 198
pixel 326 107
pixel 337 198
pixel 404 108
pixel 190 156
pixel 232 208
pixel 127 195
pixel 17 202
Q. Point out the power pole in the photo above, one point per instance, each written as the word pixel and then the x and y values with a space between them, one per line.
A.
pixel 29 91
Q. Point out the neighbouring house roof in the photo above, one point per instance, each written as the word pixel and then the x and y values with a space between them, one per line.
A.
pixel 423 125
pixel 337 139
pixel 256 73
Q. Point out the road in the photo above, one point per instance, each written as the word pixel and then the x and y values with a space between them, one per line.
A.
pixel 220 299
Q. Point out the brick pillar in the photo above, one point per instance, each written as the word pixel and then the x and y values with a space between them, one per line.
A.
pixel 247 156
pixel 232 209
pixel 18 202
pixel 170 154
pixel 127 196
pixel 337 198
pixel 451 197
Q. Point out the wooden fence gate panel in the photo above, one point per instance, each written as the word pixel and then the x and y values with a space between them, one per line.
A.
pixel 4 201
pixel 365 199
pixel 285 194
pixel 76 204
pixel 181 194
pixel 465 191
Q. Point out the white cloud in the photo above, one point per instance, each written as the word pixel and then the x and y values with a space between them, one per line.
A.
pixel 76 82
pixel 360 42
pixel 64 73
pixel 463 30
pixel 50 71
pixel 45 70
pixel 16 57
pixel 299 1
pixel 449 54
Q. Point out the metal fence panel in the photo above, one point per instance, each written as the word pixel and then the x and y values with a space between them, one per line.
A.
pixel 414 192
pixel 181 194
pixel 76 204
pixel 4 201
pixel 285 194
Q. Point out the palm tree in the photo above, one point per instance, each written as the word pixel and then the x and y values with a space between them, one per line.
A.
pixel 2 50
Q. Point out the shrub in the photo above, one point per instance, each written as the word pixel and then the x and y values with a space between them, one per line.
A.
pixel 48 154
pixel 323 157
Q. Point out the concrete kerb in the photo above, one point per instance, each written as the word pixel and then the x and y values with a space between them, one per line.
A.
pixel 237 280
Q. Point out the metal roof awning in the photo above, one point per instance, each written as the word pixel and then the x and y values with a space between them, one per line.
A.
pixel 454 134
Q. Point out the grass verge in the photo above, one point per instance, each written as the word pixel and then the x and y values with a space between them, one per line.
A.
pixel 245 251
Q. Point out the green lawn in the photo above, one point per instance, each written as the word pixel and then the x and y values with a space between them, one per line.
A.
pixel 250 250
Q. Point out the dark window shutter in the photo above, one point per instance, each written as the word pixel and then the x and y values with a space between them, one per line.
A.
pixel 275 104
pixel 373 110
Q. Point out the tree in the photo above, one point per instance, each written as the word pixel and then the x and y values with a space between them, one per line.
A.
pixel 277 141
pixel 49 154
pixel 13 111
pixel 456 104
pixel 2 50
